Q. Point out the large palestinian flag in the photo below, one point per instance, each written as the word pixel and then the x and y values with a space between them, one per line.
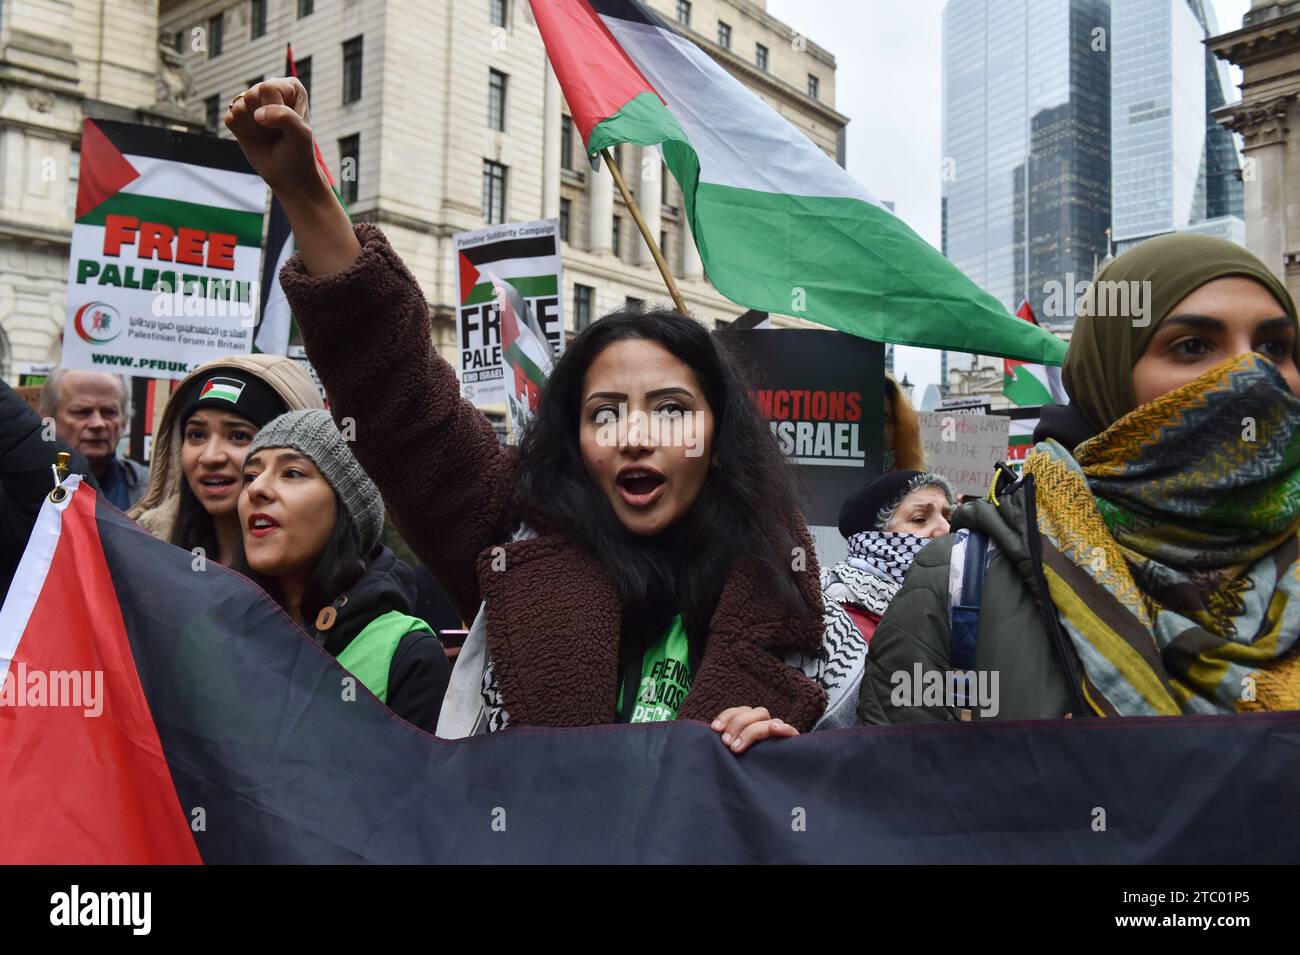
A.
pixel 154 709
pixel 779 226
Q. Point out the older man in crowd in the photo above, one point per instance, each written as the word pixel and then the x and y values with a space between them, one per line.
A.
pixel 90 409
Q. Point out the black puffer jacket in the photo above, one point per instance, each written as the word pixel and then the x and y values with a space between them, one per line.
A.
pixel 25 477
pixel 418 674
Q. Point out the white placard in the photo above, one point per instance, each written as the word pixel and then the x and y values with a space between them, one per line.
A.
pixel 964 448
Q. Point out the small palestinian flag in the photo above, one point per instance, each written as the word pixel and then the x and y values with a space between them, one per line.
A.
pixel 525 349
pixel 1028 385
pixel 1020 434
pixel 228 388
pixel 277 329
pixel 779 225
pixel 527 263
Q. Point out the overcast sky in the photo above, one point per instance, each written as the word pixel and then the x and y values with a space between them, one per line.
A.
pixel 888 82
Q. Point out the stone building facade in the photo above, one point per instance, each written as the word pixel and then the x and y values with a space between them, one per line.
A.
pixel 60 62
pixel 1267 48
pixel 432 94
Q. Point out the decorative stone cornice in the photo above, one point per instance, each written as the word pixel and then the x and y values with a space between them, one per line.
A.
pixel 1260 42
pixel 38 59
pixel 11 229
pixel 1261 123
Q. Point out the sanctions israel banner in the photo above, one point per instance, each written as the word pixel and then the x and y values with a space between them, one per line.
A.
pixel 166 250
pixel 155 711
pixel 822 394
pixel 526 255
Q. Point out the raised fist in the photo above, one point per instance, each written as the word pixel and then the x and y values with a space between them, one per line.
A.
pixel 270 122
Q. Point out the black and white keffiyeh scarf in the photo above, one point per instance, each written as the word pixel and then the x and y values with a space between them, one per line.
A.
pixel 869 583
pixel 885 553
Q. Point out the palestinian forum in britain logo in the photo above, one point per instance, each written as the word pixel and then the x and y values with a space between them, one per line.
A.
pixel 97 323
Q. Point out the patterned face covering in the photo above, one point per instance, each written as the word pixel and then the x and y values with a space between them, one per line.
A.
pixel 1207 476
pixel 884 553
pixel 1170 547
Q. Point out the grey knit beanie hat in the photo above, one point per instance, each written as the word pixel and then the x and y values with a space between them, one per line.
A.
pixel 314 434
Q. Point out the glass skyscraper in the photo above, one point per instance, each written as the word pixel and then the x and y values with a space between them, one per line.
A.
pixel 1174 168
pixel 1026 144
pixel 1223 191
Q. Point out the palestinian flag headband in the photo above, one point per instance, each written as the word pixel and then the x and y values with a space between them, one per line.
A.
pixel 235 391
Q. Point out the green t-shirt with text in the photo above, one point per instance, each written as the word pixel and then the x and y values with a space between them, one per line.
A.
pixel 665 678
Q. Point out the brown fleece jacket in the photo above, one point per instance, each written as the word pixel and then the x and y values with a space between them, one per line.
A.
pixel 553 614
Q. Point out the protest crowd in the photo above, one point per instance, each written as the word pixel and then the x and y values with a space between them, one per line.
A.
pixel 1146 561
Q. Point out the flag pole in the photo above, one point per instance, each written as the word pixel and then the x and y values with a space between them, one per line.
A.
pixel 650 240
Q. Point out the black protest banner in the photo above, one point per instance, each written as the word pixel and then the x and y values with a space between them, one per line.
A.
pixel 203 744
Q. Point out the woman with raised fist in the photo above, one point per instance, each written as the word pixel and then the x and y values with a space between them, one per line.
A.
pixel 640 557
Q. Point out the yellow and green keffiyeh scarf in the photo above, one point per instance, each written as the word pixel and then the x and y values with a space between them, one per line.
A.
pixel 1171 547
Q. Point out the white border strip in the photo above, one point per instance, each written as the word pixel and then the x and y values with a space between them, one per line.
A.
pixel 29 580
pixel 831 462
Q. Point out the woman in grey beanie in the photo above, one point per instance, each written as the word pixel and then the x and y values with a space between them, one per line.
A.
pixel 311 520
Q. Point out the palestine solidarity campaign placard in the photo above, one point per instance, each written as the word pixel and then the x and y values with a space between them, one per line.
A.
pixel 526 255
pixel 166 250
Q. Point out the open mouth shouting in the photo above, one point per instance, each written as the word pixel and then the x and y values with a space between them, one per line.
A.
pixel 259 524
pixel 218 485
pixel 640 486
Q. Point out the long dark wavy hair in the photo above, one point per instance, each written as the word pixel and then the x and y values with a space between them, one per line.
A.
pixel 194 526
pixel 746 507
pixel 341 565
